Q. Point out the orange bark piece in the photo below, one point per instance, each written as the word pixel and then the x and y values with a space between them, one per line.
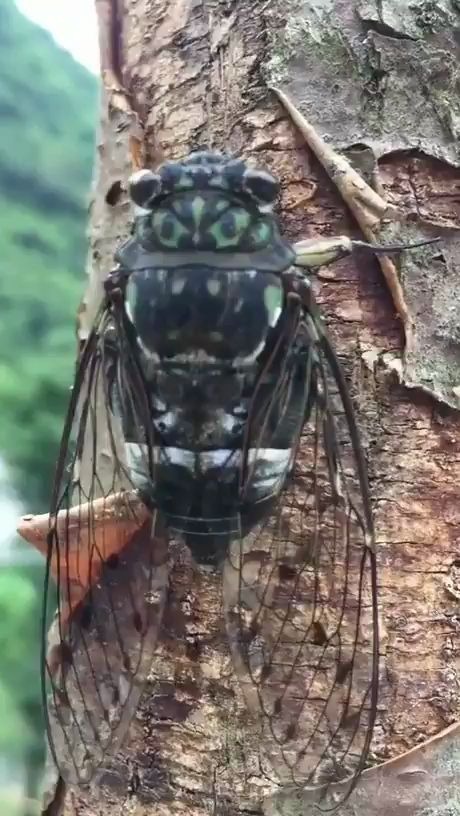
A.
pixel 88 535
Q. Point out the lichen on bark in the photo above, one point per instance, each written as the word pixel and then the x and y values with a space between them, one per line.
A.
pixel 382 81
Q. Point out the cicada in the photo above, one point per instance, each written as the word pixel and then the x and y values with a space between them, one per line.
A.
pixel 210 405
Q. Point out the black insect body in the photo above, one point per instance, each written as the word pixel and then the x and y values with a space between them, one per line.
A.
pixel 224 374
pixel 210 359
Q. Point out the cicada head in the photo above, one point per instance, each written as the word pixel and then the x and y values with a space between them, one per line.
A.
pixel 206 203
pixel 205 260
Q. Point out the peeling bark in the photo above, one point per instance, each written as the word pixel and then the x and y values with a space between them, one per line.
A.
pixel 379 80
pixel 376 79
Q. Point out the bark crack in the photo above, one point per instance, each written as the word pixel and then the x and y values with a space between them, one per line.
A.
pixel 120 97
pixel 385 30
pixel 116 37
pixel 109 14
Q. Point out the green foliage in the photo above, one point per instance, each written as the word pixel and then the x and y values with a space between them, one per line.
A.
pixel 18 660
pixel 22 725
pixel 13 726
pixel 47 119
pixel 19 645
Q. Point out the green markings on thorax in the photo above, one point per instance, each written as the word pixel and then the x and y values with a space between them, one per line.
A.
pixel 209 221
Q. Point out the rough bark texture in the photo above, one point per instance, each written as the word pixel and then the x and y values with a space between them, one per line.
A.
pixel 379 77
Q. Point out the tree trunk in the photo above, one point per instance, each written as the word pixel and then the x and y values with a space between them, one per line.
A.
pixel 377 80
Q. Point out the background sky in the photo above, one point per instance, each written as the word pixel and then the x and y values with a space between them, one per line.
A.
pixel 71 22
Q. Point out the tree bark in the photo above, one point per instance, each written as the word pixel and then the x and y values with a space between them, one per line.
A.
pixel 377 80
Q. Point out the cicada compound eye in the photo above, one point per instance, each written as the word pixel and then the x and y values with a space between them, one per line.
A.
pixel 261 186
pixel 144 186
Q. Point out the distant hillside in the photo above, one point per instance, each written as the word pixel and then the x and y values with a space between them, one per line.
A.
pixel 48 111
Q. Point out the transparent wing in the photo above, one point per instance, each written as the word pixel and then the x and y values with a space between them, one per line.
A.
pixel 300 593
pixel 106 567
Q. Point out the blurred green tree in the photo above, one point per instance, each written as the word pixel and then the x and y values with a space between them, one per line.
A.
pixel 46 160
pixel 21 731
pixel 47 120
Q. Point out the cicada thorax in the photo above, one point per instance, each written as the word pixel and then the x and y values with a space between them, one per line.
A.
pixel 216 337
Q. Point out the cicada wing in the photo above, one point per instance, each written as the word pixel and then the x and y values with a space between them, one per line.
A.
pixel 300 595
pixel 106 567
pixel 99 663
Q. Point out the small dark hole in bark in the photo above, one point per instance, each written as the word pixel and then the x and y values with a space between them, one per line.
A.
pixel 286 573
pixel 291 731
pixel 113 194
pixel 62 696
pixel 115 696
pixel 66 654
pixel 126 663
pixel 358 147
pixel 137 622
pixel 277 706
pixel 265 673
pixel 456 562
pixel 254 628
pixel 442 411
pixel 56 807
pixel 350 721
pixel 86 616
pixel 343 670
pixel 193 649
pixel 134 784
pixel 245 637
pixel 319 637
